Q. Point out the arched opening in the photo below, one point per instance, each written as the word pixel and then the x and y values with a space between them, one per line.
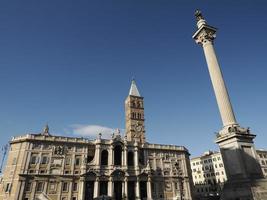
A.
pixel 117 155
pixel 104 157
pixel 130 158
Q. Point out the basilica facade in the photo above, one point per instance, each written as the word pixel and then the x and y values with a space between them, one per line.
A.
pixel 45 166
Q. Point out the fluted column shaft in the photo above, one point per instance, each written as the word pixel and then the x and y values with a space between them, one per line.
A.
pixel 222 97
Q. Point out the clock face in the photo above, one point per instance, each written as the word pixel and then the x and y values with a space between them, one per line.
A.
pixel 139 128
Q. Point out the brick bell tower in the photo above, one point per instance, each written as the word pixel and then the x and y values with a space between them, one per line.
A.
pixel 134 113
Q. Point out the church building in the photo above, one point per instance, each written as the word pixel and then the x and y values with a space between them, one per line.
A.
pixel 45 166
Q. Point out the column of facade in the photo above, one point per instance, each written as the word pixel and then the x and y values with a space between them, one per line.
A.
pixel 81 189
pixel 32 196
pixel 123 189
pixel 97 154
pixel 136 159
pixel 111 155
pixel 125 155
pixel 137 189
pixel 19 195
pixel 149 191
pixel 70 189
pixel 110 187
pixel 60 190
pixel 96 187
pixel 126 187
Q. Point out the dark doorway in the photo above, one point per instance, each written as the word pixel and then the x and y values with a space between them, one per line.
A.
pixel 130 158
pixel 118 190
pixel 131 190
pixel 103 188
pixel 89 190
pixel 143 191
pixel 104 157
pixel 117 155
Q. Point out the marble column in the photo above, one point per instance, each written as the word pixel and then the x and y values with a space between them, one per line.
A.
pixel 97 155
pixel 126 187
pixel 125 156
pixel 96 187
pixel 137 189
pixel 81 189
pixel 111 156
pixel 136 159
pixel 149 190
pixel 110 187
pixel 205 36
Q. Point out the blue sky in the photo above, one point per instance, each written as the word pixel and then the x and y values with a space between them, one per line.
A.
pixel 70 63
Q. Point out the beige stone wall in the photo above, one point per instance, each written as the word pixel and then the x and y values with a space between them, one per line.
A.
pixel 15 164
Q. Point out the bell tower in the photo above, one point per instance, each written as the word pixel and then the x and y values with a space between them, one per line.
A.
pixel 134 113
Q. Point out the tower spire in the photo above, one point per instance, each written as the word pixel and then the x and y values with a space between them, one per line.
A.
pixel 134 113
pixel 133 89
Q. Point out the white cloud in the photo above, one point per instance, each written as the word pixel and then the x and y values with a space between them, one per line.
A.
pixel 91 130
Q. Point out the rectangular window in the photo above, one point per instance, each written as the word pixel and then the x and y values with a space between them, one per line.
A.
pixel 79 149
pixel 47 146
pixel 67 161
pixel 77 161
pixel 40 186
pixel 33 159
pixel 65 187
pixel 36 146
pixel 52 186
pixel 45 160
pixel 8 186
pixel 28 186
pixel 75 186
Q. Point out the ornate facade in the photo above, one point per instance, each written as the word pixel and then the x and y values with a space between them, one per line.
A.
pixel 43 166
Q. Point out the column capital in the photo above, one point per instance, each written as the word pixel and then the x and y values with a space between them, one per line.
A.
pixel 205 34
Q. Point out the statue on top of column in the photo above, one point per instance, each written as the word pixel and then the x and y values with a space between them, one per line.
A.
pixel 198 15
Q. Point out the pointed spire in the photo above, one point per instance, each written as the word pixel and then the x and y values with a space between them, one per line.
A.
pixel 133 90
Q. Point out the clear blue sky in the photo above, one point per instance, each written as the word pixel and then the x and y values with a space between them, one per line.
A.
pixel 71 62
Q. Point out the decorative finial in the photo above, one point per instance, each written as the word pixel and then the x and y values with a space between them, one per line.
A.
pixel 99 136
pixel 117 131
pixel 198 15
pixel 46 130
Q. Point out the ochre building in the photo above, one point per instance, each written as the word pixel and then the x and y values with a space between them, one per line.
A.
pixel 44 166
